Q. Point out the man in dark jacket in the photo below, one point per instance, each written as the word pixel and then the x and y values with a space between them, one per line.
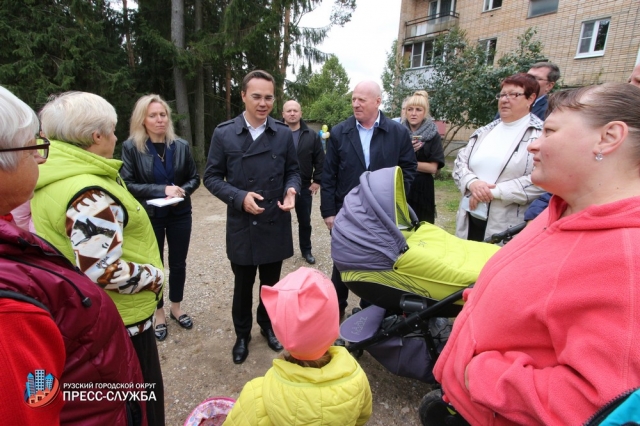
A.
pixel 310 159
pixel 368 140
pixel 253 168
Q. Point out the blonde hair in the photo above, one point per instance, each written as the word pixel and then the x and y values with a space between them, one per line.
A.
pixel 316 363
pixel 137 132
pixel 18 126
pixel 419 99
pixel 73 117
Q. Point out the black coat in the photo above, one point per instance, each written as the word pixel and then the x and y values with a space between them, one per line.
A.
pixel 344 163
pixel 310 156
pixel 137 173
pixel 237 165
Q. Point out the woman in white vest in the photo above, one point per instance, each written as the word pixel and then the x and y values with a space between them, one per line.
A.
pixel 493 171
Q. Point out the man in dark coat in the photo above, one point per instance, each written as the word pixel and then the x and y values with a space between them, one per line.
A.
pixel 368 140
pixel 252 166
pixel 310 159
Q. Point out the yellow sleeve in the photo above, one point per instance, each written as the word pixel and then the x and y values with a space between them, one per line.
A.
pixel 249 408
pixel 367 406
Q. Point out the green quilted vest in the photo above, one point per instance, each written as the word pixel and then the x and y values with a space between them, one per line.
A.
pixel 68 172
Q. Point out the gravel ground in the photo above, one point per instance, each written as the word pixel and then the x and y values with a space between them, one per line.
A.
pixel 197 364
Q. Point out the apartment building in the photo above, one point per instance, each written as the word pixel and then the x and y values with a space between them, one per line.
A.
pixel 592 41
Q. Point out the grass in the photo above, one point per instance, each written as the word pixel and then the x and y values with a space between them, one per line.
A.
pixel 447 201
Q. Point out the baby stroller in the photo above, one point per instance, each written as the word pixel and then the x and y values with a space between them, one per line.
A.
pixel 413 273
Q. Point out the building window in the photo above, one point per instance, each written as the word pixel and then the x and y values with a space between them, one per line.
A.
pixel 419 54
pixel 489 47
pixel 491 4
pixel 593 38
pixel 542 7
pixel 440 8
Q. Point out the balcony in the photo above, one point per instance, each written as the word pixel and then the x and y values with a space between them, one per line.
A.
pixel 431 24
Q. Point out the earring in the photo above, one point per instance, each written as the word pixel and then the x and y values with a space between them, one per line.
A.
pixel 599 156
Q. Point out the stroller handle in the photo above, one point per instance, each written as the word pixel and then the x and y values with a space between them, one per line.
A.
pixel 506 235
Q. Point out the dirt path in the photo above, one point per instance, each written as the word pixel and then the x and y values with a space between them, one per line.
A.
pixel 196 364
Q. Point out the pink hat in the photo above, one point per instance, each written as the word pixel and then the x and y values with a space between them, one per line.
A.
pixel 303 308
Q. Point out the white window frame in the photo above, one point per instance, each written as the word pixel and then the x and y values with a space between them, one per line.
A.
pixel 593 38
pixel 531 2
pixel 486 45
pixel 422 53
pixel 489 5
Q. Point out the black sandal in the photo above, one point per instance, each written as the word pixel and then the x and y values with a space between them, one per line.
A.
pixel 184 321
pixel 161 332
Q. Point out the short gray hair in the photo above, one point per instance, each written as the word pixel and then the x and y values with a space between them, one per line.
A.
pixel 73 117
pixel 18 126
pixel 554 70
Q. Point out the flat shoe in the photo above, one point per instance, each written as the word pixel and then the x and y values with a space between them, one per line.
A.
pixel 161 332
pixel 184 321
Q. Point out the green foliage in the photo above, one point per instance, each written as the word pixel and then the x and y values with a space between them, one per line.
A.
pixel 327 93
pixel 395 88
pixel 462 86
pixel 55 46
pixel 331 108
pixel 332 78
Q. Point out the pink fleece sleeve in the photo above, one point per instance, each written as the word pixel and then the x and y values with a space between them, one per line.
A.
pixel 585 377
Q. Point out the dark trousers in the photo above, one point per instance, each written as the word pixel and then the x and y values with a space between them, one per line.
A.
pixel 241 310
pixel 477 228
pixel 303 212
pixel 147 351
pixel 177 230
pixel 341 289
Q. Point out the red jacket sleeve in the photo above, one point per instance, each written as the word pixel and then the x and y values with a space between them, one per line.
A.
pixel 29 342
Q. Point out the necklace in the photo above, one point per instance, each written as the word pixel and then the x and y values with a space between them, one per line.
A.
pixel 158 146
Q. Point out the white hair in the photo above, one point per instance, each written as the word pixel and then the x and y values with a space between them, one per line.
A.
pixel 18 126
pixel 73 117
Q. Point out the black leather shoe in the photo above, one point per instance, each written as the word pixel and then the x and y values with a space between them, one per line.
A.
pixel 184 321
pixel 161 332
pixel 241 349
pixel 272 340
pixel 309 258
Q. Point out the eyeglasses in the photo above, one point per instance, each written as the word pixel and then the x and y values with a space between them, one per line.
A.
pixel 508 95
pixel 268 99
pixel 42 149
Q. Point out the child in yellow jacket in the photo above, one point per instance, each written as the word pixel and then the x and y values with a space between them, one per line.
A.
pixel 312 383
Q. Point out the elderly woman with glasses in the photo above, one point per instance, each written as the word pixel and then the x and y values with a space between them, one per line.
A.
pixel 549 333
pixel 493 170
pixel 82 206
pixel 59 330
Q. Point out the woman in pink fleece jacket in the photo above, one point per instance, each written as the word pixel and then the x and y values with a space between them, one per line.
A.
pixel 549 334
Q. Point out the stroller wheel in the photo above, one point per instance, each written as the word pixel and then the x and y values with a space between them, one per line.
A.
pixel 434 411
pixel 357 353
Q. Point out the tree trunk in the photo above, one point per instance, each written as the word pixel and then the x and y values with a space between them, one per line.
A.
pixel 199 154
pixel 127 35
pixel 227 96
pixel 284 58
pixel 182 100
